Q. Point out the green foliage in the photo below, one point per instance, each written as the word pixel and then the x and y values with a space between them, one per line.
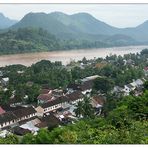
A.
pixel 84 108
pixel 10 139
pixel 27 40
pixel 103 84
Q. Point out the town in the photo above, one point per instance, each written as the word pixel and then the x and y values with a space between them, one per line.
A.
pixel 30 101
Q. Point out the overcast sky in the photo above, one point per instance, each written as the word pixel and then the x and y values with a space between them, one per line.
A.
pixel 117 15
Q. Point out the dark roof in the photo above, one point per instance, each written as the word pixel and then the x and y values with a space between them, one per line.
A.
pixel 56 101
pixel 129 86
pixel 14 100
pixel 74 95
pixel 74 86
pixel 44 97
pixel 49 121
pixel 9 108
pixel 70 97
pixel 20 131
pixel 6 117
pixel 24 112
pixel 86 85
pixel 45 91
pixel 57 92
pixel 27 120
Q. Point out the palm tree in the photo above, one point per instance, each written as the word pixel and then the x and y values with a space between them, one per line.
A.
pixel 87 107
pixel 79 109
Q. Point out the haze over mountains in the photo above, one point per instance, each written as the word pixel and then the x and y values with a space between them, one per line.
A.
pixel 80 26
pixel 5 22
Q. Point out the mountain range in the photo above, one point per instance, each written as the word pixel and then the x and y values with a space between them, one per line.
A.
pixel 5 22
pixel 79 26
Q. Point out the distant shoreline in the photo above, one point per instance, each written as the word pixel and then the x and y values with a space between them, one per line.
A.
pixel 75 49
pixel 65 56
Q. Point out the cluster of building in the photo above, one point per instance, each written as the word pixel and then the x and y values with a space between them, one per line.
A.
pixel 135 87
pixel 55 107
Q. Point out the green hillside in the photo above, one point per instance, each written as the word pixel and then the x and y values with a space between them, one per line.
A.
pixel 27 40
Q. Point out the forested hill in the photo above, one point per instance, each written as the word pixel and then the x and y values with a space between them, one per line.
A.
pixel 27 40
pixel 31 39
pixel 79 25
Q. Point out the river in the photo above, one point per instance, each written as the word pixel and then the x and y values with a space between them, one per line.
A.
pixel 66 56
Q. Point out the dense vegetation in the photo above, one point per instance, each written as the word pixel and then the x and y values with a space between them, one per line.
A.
pixel 36 39
pixel 64 32
pixel 27 40
pixel 55 75
pixel 126 123
pixel 123 120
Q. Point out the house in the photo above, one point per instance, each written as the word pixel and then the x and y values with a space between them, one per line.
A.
pixel 7 119
pixel 73 87
pixel 132 86
pixel 30 126
pixel 90 78
pixel 2 111
pixel 57 93
pixel 35 121
pixel 40 111
pixel 127 90
pixel 54 104
pixel 145 71
pixel 98 101
pixel 49 121
pixel 139 82
pixel 20 131
pixel 46 91
pixel 117 89
pixel 9 108
pixel 14 101
pixel 44 98
pixel 86 87
pixel 5 81
pixel 75 97
pixel 25 113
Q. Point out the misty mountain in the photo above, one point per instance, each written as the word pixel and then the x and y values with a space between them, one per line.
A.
pixel 5 22
pixel 139 33
pixel 81 26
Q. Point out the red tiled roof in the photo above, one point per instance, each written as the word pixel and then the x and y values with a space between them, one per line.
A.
pixel 146 68
pixel 44 97
pixel 2 111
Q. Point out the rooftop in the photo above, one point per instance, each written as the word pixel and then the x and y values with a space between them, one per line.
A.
pixel 5 79
pixel 2 111
pixel 24 112
pixel 45 97
pixel 6 117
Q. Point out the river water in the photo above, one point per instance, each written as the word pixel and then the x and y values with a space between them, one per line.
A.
pixel 66 56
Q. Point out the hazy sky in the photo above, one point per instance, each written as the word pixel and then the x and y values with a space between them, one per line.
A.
pixel 119 15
